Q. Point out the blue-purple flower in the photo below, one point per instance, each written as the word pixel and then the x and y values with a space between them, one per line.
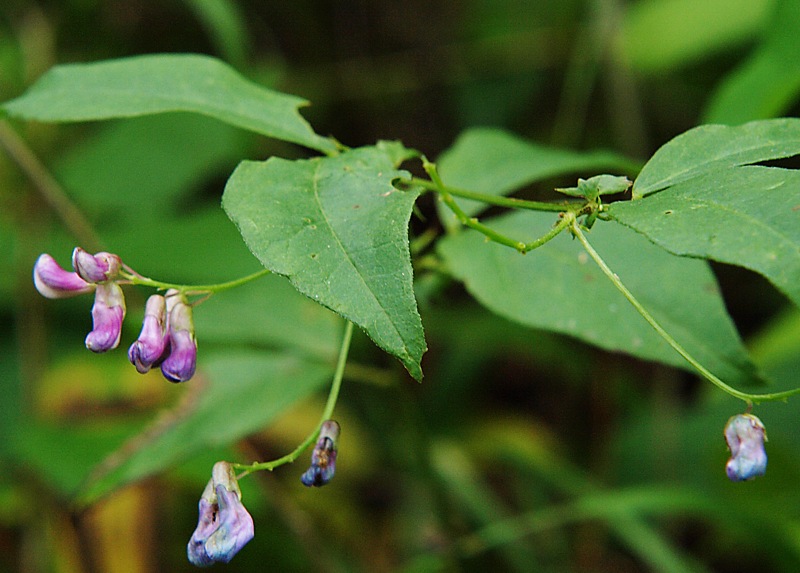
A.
pixel 153 341
pixel 180 364
pixel 107 315
pixel 54 282
pixel 745 435
pixel 224 526
pixel 323 458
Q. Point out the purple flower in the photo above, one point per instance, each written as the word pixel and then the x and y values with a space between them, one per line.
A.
pixel 54 282
pixel 745 435
pixel 223 525
pixel 323 458
pixel 179 366
pixel 95 268
pixel 152 342
pixel 107 315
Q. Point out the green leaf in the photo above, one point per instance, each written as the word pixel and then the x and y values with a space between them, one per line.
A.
pixel 559 288
pixel 243 393
pixel 496 162
pixel 145 85
pixel 746 216
pixel 710 147
pixel 338 228
pixel 662 34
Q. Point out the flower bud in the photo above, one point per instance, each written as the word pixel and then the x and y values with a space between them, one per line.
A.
pixel 745 435
pixel 323 458
pixel 180 364
pixel 107 315
pixel 223 526
pixel 54 282
pixel 152 342
pixel 95 268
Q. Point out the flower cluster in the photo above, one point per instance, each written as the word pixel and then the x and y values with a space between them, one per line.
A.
pixel 745 435
pixel 167 337
pixel 223 524
pixel 323 458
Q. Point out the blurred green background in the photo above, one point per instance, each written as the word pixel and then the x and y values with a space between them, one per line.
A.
pixel 521 450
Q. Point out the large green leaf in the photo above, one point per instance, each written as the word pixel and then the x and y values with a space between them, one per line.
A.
pixel 747 216
pixel 558 287
pixel 711 147
pixel 145 85
pixel 338 228
pixel 243 393
pixel 496 162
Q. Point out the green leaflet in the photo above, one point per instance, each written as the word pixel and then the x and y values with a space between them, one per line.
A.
pixel 711 147
pixel 338 229
pixel 746 216
pixel 559 288
pixel 144 85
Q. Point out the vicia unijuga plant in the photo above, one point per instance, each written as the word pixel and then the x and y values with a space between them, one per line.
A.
pixel 591 263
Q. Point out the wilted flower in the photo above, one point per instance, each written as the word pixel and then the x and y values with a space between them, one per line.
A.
pixel 179 366
pixel 745 435
pixel 95 268
pixel 107 315
pixel 323 458
pixel 54 282
pixel 152 342
pixel 223 525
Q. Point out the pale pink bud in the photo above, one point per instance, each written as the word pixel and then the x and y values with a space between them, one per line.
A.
pixel 107 315
pixel 95 268
pixel 54 282
pixel 149 348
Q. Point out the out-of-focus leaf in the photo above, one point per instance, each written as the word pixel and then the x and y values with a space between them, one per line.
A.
pixel 226 26
pixel 269 312
pixel 144 85
pixel 338 228
pixel 662 34
pixel 767 83
pixel 746 216
pixel 711 147
pixel 496 162
pixel 557 287
pixel 244 392
pixel 139 168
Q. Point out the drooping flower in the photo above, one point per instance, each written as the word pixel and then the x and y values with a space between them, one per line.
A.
pixel 745 435
pixel 149 348
pixel 108 313
pixel 224 526
pixel 180 364
pixel 323 458
pixel 54 282
pixel 97 268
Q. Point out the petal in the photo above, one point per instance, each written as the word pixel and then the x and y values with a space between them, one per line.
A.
pixel 54 282
pixel 108 313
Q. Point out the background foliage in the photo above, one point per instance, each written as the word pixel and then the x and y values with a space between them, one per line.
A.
pixel 523 449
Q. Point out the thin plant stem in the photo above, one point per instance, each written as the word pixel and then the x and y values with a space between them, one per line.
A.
pixel 50 190
pixel 137 279
pixel 498 200
pixel 333 396
pixel 749 399
pixel 488 232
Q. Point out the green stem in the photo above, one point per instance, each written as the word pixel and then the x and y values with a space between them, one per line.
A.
pixel 497 200
pixel 707 374
pixel 488 232
pixel 50 190
pixel 333 396
pixel 212 288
